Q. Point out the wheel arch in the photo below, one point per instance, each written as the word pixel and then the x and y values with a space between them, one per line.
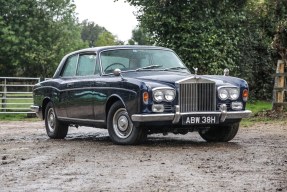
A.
pixel 111 100
pixel 44 105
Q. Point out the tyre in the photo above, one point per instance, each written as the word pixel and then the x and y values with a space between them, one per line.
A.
pixel 120 127
pixel 221 133
pixel 55 129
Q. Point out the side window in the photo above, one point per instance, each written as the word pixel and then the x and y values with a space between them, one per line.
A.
pixel 87 64
pixel 70 66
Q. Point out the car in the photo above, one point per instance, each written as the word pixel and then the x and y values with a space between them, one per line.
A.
pixel 134 91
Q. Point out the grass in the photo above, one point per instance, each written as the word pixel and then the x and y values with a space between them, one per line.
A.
pixel 16 117
pixel 258 109
pixel 259 106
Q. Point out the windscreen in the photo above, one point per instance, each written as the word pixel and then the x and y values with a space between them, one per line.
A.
pixel 139 59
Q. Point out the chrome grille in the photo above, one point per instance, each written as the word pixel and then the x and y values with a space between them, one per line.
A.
pixel 197 95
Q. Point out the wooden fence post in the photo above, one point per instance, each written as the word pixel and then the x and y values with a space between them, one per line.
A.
pixel 280 87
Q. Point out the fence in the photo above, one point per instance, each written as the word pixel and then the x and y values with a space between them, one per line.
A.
pixel 16 94
pixel 280 87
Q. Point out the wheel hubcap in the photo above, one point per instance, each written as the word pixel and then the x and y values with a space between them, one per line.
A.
pixel 51 120
pixel 122 124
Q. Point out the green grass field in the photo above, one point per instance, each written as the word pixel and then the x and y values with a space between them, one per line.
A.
pixel 259 106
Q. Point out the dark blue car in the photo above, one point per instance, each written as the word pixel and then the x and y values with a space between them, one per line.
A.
pixel 134 91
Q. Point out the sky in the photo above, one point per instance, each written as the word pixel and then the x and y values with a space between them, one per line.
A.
pixel 116 17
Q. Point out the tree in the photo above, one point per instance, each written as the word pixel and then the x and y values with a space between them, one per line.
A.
pixel 35 35
pixel 106 38
pixel 217 34
pixel 91 32
pixel 203 33
pixel 139 37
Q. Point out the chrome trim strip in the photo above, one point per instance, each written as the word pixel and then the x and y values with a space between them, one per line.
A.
pixel 35 108
pixel 202 113
pixel 83 88
pixel 157 88
pixel 184 79
pixel 152 117
pixel 46 87
pixel 76 119
pixel 96 88
pixel 238 114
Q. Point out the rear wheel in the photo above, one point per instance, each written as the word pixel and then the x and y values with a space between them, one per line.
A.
pixel 55 129
pixel 221 133
pixel 120 127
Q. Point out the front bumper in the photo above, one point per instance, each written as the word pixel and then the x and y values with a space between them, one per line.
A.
pixel 37 110
pixel 175 117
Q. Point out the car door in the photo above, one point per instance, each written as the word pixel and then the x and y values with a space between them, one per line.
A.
pixel 81 92
pixel 65 81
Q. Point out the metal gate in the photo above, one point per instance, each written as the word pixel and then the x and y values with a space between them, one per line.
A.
pixel 16 94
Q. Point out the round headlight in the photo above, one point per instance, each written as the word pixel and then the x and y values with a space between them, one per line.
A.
pixel 158 96
pixel 234 93
pixel 169 95
pixel 223 94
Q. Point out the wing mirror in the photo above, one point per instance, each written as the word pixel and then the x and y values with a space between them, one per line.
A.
pixel 117 72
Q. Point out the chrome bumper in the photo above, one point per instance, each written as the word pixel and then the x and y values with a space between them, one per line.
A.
pixel 36 109
pixel 175 117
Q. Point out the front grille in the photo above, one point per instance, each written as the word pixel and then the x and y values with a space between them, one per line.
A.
pixel 228 105
pixel 197 95
pixel 168 108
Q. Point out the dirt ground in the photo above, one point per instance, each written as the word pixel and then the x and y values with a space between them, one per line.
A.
pixel 256 160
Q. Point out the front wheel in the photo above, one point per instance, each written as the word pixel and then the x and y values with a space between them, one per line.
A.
pixel 120 127
pixel 55 129
pixel 220 133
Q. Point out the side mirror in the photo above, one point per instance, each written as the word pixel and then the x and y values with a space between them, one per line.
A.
pixel 117 72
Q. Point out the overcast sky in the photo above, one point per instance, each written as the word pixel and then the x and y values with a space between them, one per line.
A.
pixel 116 17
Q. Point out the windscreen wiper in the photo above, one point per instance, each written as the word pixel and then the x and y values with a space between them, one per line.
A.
pixel 149 67
pixel 174 68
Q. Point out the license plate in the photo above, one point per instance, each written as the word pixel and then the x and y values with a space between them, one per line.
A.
pixel 200 119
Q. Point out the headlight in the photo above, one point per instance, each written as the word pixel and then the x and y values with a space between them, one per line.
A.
pixel 228 93
pixel 169 95
pixel 158 96
pixel 223 93
pixel 163 94
pixel 233 93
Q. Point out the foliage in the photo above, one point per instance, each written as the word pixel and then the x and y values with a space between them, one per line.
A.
pixel 90 32
pixel 35 34
pixel 280 38
pixel 139 37
pixel 217 34
pixel 106 38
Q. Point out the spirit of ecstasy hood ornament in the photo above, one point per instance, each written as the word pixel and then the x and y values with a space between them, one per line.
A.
pixel 195 70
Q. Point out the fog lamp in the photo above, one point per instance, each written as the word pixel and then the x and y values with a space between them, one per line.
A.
pixel 236 106
pixel 157 108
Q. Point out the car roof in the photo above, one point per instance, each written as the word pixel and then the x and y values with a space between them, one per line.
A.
pixel 103 48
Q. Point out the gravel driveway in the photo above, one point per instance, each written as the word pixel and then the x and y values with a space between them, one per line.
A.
pixel 256 160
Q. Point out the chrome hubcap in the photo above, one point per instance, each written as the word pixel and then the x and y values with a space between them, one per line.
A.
pixel 51 120
pixel 122 124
